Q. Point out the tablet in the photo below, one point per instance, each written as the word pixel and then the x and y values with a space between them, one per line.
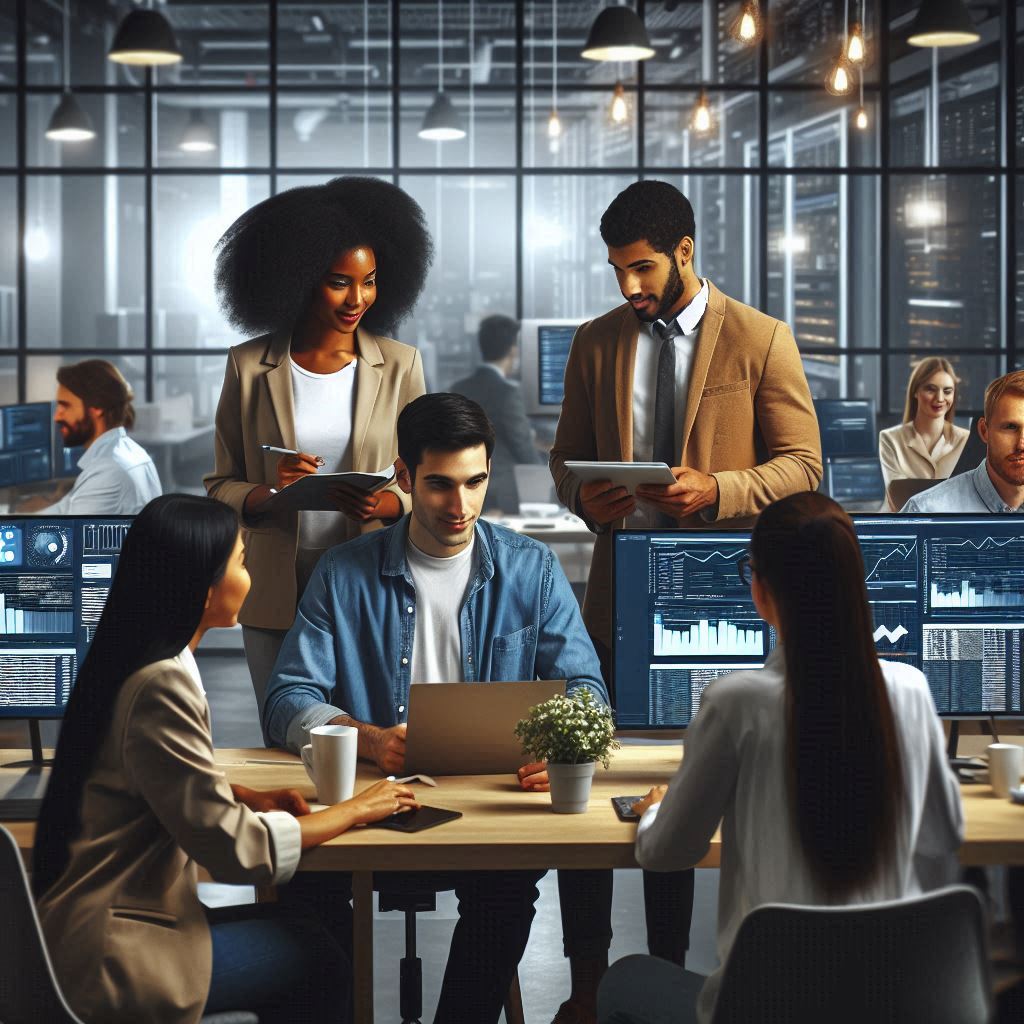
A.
pixel 625 474
pixel 417 820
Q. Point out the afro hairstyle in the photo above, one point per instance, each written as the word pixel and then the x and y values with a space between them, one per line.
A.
pixel 272 259
pixel 653 211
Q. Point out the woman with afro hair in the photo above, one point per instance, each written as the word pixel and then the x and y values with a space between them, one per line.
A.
pixel 322 274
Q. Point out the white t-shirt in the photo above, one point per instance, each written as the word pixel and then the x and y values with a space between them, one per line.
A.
pixel 323 426
pixel 440 592
pixel 734 770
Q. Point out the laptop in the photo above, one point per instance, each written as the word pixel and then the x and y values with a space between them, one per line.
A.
pixel 467 728
pixel 21 792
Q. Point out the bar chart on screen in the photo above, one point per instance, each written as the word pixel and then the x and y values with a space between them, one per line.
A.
pixel 724 633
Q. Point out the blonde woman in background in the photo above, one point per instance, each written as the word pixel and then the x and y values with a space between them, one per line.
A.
pixel 927 444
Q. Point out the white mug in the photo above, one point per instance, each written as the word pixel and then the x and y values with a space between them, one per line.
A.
pixel 1005 767
pixel 330 761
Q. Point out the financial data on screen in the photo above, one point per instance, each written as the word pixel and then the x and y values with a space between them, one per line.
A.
pixel 847 427
pixel 55 574
pixel 946 595
pixel 26 443
pixel 553 344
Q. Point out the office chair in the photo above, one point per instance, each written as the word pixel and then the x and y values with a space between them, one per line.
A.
pixel 410 900
pixel 901 491
pixel 974 451
pixel 29 990
pixel 924 958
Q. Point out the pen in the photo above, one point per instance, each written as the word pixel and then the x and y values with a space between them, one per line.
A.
pixel 273 449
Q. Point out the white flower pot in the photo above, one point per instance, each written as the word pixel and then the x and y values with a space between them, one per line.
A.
pixel 570 786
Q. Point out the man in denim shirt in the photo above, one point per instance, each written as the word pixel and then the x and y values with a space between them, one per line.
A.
pixel 438 597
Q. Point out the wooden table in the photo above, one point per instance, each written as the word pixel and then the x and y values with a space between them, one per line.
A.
pixel 506 828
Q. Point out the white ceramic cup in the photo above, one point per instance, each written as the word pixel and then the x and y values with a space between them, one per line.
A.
pixel 1005 767
pixel 330 761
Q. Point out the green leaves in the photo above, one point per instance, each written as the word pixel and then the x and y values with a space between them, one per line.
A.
pixel 569 730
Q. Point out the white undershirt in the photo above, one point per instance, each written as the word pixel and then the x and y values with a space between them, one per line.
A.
pixel 323 426
pixel 440 592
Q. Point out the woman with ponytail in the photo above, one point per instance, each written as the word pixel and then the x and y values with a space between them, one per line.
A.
pixel 136 803
pixel 827 768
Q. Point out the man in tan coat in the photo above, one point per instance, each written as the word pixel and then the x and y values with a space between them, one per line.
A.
pixel 680 374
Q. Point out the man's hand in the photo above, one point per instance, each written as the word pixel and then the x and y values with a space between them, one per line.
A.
pixel 386 747
pixel 692 492
pixel 655 796
pixel 360 506
pixel 604 502
pixel 290 800
pixel 534 777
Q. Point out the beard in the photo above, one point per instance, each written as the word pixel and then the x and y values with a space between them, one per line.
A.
pixel 76 434
pixel 670 295
pixel 1010 472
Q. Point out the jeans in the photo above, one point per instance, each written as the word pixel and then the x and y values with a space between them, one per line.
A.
pixel 645 990
pixel 496 909
pixel 278 964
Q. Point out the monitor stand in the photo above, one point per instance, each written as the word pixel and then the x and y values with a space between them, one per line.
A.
pixel 36 740
pixel 964 767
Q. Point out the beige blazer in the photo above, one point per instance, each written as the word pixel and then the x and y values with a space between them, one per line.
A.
pixel 123 923
pixel 749 420
pixel 256 407
pixel 905 456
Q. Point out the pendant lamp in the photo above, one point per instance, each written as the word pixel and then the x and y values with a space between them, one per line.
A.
pixel 618 34
pixel 441 123
pixel 69 122
pixel 943 23
pixel 145 37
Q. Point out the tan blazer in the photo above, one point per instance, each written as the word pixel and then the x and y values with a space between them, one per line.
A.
pixel 904 455
pixel 123 923
pixel 749 420
pixel 256 407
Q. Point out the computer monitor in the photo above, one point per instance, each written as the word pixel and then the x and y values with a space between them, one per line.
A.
pixel 847 427
pixel 65 462
pixel 946 592
pixel 26 443
pixel 544 349
pixel 55 574
pixel 850 480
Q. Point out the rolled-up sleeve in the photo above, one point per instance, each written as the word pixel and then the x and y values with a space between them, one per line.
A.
pixel 286 839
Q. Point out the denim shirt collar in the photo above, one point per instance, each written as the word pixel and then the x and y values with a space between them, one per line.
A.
pixel 396 564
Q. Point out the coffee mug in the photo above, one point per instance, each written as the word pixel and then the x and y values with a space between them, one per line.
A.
pixel 1005 767
pixel 330 760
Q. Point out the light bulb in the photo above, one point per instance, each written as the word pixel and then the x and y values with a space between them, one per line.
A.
pixel 855 50
pixel 839 82
pixel 860 119
pixel 747 28
pixel 554 125
pixel 700 119
pixel 619 109
pixel 37 245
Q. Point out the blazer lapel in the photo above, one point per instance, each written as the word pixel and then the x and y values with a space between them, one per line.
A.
pixel 368 382
pixel 625 359
pixel 707 339
pixel 279 385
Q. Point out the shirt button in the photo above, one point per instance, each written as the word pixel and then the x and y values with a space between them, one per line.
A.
pixel 409 609
pixel 470 659
pixel 401 708
pixel 405 661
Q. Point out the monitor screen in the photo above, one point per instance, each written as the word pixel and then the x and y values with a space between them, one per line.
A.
pixel 66 459
pixel 854 480
pixel 847 427
pixel 55 573
pixel 545 348
pixel 946 593
pixel 26 443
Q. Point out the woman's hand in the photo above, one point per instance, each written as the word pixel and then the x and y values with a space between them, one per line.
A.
pixel 534 777
pixel 360 506
pixel 655 796
pixel 381 800
pixel 293 467
pixel 290 800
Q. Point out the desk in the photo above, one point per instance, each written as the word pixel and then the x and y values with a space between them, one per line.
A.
pixel 507 828
pixel 164 443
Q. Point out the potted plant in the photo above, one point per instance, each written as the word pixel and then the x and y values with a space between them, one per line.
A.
pixel 572 734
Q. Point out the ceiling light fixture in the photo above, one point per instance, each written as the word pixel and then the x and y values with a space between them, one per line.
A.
pixel 747 27
pixel 700 119
pixel 145 37
pixel 943 23
pixel 619 109
pixel 860 118
pixel 618 34
pixel 554 122
pixel 69 122
pixel 839 80
pixel 441 122
pixel 198 136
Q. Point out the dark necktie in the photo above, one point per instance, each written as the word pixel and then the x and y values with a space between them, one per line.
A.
pixel 665 393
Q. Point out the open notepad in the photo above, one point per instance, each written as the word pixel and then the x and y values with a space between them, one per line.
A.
pixel 312 493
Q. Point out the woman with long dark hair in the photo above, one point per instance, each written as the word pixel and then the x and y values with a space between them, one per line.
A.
pixel 827 768
pixel 136 803
pixel 322 274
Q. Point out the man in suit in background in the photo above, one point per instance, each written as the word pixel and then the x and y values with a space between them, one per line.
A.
pixel 684 375
pixel 490 388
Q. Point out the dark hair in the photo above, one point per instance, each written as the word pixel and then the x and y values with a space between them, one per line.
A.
pixel 99 385
pixel 272 259
pixel 444 422
pixel 842 753
pixel 177 548
pixel 497 335
pixel 654 211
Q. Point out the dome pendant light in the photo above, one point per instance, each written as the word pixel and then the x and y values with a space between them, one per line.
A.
pixel 943 23
pixel 441 123
pixel 618 34
pixel 145 38
pixel 69 122
pixel 198 135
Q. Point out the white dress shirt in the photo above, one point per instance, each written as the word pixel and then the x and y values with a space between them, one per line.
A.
pixel 117 478
pixel 734 771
